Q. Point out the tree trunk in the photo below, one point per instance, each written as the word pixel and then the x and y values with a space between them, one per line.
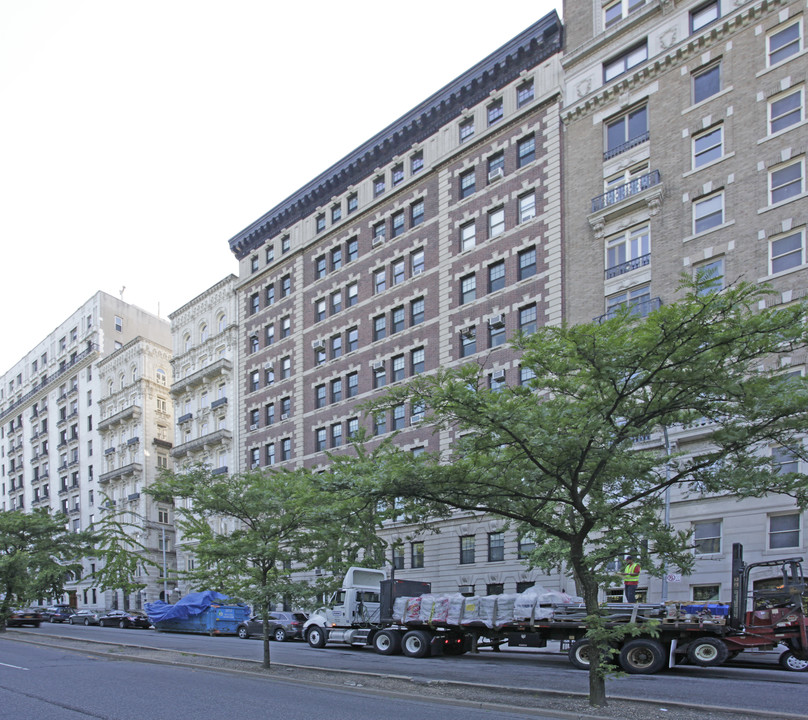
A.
pixel 589 590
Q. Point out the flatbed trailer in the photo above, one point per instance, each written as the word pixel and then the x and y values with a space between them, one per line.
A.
pixel 369 613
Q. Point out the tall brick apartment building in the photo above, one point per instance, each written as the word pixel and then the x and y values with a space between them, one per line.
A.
pixel 685 140
pixel 426 247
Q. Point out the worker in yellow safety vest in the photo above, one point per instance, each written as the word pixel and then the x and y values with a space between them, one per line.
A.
pixel 631 578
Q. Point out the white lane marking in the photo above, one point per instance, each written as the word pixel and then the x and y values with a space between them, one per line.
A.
pixel 16 667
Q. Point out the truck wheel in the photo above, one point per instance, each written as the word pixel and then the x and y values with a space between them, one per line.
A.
pixel 642 656
pixel 387 642
pixel 578 654
pixel 415 644
pixel 789 661
pixel 707 652
pixel 316 637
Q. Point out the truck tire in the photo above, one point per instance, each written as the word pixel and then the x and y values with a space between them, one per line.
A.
pixel 642 656
pixel 578 654
pixel 707 652
pixel 789 661
pixel 315 636
pixel 387 642
pixel 415 644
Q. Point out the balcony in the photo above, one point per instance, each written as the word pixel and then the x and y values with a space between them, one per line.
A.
pixel 636 309
pixel 223 366
pixel 185 418
pixel 133 412
pixel 132 441
pixel 130 469
pixel 217 437
pixel 218 403
pixel 162 443
pixel 628 266
pixel 632 143
pixel 622 192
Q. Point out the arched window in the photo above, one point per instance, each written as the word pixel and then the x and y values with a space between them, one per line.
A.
pixel 134 373
pixel 110 385
pixel 221 321
pixel 186 342
pixel 122 380
pixel 203 332
pixel 161 376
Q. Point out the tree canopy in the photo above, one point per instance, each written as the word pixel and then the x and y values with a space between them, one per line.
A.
pixel 564 456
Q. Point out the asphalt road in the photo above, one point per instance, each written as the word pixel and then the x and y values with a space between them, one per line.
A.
pixel 753 681
pixel 38 683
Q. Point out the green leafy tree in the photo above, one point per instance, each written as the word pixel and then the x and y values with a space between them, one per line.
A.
pixel 559 457
pixel 38 557
pixel 276 520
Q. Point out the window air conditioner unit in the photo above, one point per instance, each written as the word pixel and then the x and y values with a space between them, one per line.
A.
pixel 318 571
pixel 497 321
pixel 415 419
pixel 318 344
pixel 498 376
pixel 496 174
pixel 417 271
pixel 378 365
pixel 528 216
pixel 467 332
pixel 284 416
pixel 268 366
pixel 254 426
pixel 378 240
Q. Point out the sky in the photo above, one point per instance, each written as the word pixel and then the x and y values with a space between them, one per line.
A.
pixel 137 138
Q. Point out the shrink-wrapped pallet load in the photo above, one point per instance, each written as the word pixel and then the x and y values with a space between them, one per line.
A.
pixel 434 609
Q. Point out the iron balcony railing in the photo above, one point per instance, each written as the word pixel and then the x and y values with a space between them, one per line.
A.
pixel 633 142
pixel 621 192
pixel 628 266
pixel 638 308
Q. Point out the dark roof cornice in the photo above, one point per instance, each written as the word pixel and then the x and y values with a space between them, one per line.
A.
pixel 527 49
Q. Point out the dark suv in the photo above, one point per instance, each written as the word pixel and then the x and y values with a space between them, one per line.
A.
pixel 282 626
pixel 58 613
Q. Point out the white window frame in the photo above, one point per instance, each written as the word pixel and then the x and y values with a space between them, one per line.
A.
pixel 635 243
pixel 772 34
pixel 798 182
pixel 625 61
pixel 527 207
pixel 717 282
pixel 703 203
pixel 468 236
pixel 622 8
pixel 779 98
pixel 705 144
pixel 774 533
pixel 706 524
pixel 784 252
pixel 496 222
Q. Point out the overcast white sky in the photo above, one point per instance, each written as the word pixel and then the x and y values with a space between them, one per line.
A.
pixel 136 138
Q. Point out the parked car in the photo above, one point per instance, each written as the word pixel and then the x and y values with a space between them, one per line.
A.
pixel 283 626
pixel 27 616
pixel 58 613
pixel 84 617
pixel 125 619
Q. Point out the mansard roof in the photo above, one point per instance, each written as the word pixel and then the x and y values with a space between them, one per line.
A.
pixel 528 49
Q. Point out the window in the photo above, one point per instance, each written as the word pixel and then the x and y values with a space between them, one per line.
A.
pixel 786 460
pixel 496 334
pixel 352 384
pixel 496 166
pixel 379 232
pixel 319 310
pixel 269 375
pixel 270 413
pixel 286 367
pixel 270 254
pixel 353 427
pixel 526 374
pixel 713 274
pixel 319 439
pixel 398 223
pixel 466 129
pixel 704 15
pixel 336 212
pixel 270 453
pixel 708 146
pixel 286 285
pixel 378 186
pixel 255 457
pixel 705 593
pixel 417 554
pixel 468 236
pixel 628 251
pixel 286 449
pixel 255 379
pixel 466 549
pixel 786 110
pixel 416 311
pixel 398 368
pixel 353 202
pixel 351 250
pixel 626 131
pixel 351 339
pixel 398 271
pixel 527 319
pixel 320 222
pixel 527 263
pixel 496 276
pixel 707 537
pixel 416 213
pixel 616 11
pixel 397 319
pixel 416 162
pixel 417 361
pixel 527 207
pixel 708 212
pixel 787 181
pixel 496 381
pixel 784 43
pixel 254 263
pixel 496 222
pixel 379 280
pixel 254 344
pixel 706 83
pixel 496 546
pixel 336 346
pixel 526 151
pixel 352 292
pixel 468 183
pixel 380 424
pixel 255 303
pixel 336 390
pixel 417 262
pixel 397 174
pixel 637 299
pixel 787 252
pixel 379 327
pixel 118 324
pixel 784 531
pixel 270 293
pixel 379 375
pixel 468 289
pixel 524 93
pixel 319 396
pixel 286 326
pixel 494 112
pixel 468 342
pixel 625 61
pixel 336 302
pixel 399 417
pixel 336 258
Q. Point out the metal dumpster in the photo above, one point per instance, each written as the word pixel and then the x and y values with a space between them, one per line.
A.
pixel 204 612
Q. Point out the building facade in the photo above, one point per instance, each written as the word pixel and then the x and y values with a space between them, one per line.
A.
pixel 684 150
pixel 206 345
pixel 427 247
pixel 134 426
pixel 51 451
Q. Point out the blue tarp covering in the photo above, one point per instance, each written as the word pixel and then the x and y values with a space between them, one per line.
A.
pixel 192 604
